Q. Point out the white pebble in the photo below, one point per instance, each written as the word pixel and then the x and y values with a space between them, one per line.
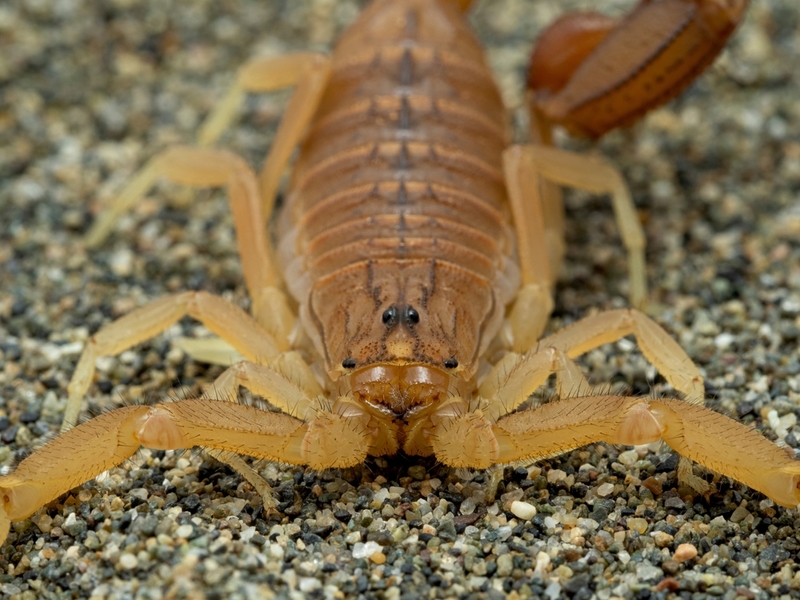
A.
pixel 247 534
pixel 772 417
pixel 184 531
pixel 468 507
pixel 276 551
pixel 365 550
pixel 128 561
pixel 523 510
pixel 628 457
pixel 553 590
pixel 309 584
pixel 723 340
pixel 121 262
pixel 605 489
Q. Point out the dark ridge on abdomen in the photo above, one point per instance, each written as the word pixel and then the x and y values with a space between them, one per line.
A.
pixel 403 160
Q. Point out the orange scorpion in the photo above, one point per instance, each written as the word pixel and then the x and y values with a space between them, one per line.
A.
pixel 399 303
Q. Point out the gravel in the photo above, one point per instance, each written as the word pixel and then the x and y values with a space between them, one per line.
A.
pixel 90 90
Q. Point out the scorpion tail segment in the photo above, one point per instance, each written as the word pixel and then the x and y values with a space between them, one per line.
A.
pixel 646 60
pixel 562 48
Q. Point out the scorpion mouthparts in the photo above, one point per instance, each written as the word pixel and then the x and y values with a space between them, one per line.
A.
pixel 399 388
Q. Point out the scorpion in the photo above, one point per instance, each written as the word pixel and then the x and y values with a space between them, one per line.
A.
pixel 399 303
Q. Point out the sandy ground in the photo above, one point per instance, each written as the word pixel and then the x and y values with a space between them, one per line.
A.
pixel 90 90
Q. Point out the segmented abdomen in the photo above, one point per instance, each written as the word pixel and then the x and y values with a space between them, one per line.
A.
pixel 403 163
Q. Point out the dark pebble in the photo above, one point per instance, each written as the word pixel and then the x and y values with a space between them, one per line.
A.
pixel 310 539
pixel 519 474
pixel 76 529
pixel 669 464
pixel 10 434
pixel 383 538
pixel 342 515
pixel 322 532
pixel 50 383
pixel 447 531
pixel 674 502
pixel 191 503
pixel 572 586
pixel 774 553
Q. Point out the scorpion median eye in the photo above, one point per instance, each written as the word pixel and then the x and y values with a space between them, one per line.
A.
pixel 349 363
pixel 451 363
pixel 390 316
pixel 411 316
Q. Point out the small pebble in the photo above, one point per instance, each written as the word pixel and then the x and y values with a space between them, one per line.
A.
pixel 638 525
pixel 128 561
pixel 184 531
pixel 661 538
pixel 684 552
pixel 605 489
pixel 740 514
pixel 366 549
pixel 654 485
pixel 523 510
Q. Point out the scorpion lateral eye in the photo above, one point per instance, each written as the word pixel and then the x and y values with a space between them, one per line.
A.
pixel 451 363
pixel 349 363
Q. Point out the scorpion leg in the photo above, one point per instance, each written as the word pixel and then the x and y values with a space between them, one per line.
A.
pixel 656 345
pixel 257 75
pixel 220 316
pixel 201 167
pixel 509 384
pixel 306 70
pixel 600 177
pixel 309 72
pixel 534 302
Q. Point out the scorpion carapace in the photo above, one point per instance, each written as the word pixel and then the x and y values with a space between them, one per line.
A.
pixel 421 249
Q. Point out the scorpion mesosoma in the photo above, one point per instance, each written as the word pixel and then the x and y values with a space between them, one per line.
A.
pixel 421 249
